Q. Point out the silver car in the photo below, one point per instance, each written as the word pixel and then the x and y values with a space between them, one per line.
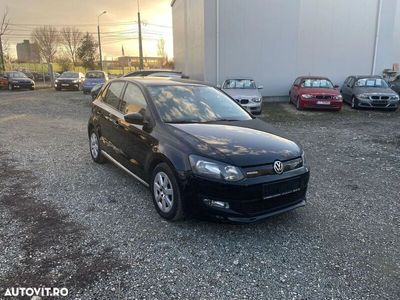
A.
pixel 245 92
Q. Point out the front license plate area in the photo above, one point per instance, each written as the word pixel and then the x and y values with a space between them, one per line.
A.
pixel 64 84
pixel 324 102
pixel 281 188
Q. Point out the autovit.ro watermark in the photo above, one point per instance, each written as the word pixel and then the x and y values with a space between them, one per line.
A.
pixel 31 292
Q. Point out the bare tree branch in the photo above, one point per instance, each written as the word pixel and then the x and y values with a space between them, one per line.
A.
pixel 46 39
pixel 5 22
pixel 71 39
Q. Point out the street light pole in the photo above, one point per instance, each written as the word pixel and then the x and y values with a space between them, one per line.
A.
pixel 98 36
pixel 141 66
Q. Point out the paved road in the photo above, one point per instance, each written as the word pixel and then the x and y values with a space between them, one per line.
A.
pixel 67 222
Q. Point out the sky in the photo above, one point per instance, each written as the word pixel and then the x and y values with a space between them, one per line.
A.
pixel 118 25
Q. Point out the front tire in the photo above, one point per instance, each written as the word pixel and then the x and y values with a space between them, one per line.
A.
pixel 354 103
pixel 298 106
pixel 95 149
pixel 166 193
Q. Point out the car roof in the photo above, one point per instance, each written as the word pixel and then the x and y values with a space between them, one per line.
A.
pixel 313 77
pixel 155 81
pixel 365 76
pixel 239 78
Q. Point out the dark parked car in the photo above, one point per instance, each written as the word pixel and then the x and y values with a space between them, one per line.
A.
pixel 69 81
pixel 395 84
pixel 16 80
pixel 197 150
pixel 144 73
pixel 315 93
pixel 92 79
pixel 369 92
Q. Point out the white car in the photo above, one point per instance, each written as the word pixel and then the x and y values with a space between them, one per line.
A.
pixel 244 91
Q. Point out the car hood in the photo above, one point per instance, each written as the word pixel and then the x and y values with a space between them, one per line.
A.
pixel 363 90
pixel 315 91
pixel 241 143
pixel 243 93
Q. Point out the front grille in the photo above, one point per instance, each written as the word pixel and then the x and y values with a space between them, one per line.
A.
pixel 243 101
pixel 323 97
pixel 377 97
pixel 272 204
pixel 269 168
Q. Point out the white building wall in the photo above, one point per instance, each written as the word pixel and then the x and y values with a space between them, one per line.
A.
pixel 275 41
pixel 188 27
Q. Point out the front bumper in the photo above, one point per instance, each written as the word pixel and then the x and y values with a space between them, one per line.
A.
pixel 246 199
pixel 67 86
pixel 23 85
pixel 330 104
pixel 253 107
pixel 385 104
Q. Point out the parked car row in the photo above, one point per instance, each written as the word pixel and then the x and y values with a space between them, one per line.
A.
pixel 308 92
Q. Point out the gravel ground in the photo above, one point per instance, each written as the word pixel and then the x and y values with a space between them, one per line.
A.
pixel 68 222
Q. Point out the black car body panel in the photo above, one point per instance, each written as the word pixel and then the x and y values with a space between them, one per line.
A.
pixel 248 145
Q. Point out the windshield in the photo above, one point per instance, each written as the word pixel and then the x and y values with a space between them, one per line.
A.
pixel 96 75
pixel 195 104
pixel 372 82
pixel 317 83
pixel 69 75
pixel 246 84
pixel 17 75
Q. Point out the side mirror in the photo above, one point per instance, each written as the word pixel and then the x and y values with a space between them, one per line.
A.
pixel 260 87
pixel 135 118
pixel 336 86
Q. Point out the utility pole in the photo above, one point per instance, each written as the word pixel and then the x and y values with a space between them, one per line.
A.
pixel 98 35
pixel 141 66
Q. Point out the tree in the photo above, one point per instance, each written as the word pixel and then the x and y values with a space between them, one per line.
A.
pixel 87 51
pixel 71 38
pixel 64 62
pixel 4 23
pixel 47 40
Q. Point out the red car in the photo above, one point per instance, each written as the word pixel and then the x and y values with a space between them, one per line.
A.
pixel 315 93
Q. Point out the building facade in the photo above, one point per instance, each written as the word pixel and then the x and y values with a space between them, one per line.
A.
pixel 275 41
pixel 27 52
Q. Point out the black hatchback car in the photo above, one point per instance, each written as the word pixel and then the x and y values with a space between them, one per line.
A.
pixel 197 149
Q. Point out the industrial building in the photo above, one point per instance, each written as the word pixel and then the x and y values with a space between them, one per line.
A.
pixel 275 41
pixel 27 52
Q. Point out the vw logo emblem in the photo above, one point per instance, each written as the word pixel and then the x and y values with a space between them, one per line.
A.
pixel 278 167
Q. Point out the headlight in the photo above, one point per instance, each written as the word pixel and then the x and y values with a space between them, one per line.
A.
pixel 213 169
pixel 257 100
pixel 395 97
pixel 56 80
pixel 303 157
pixel 75 81
pixel 363 96
pixel 339 97
pixel 307 96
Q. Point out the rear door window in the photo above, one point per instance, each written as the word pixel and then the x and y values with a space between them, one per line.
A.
pixel 113 94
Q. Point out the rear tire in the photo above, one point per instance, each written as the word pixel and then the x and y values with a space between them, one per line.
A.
pixel 95 149
pixel 166 193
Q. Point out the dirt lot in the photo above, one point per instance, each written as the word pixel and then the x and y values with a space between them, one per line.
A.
pixel 68 222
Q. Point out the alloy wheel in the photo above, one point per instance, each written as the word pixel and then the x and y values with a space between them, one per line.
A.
pixel 94 145
pixel 163 192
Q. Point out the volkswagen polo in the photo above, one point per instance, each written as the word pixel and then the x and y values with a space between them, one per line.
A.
pixel 197 150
